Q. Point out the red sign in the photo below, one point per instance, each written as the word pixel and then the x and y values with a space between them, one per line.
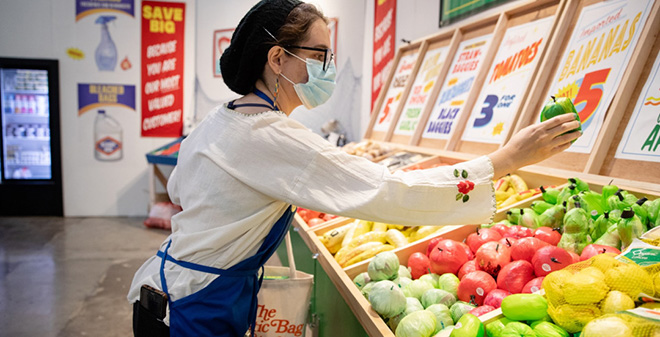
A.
pixel 162 68
pixel 384 29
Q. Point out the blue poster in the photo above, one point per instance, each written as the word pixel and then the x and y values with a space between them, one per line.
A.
pixel 89 7
pixel 93 96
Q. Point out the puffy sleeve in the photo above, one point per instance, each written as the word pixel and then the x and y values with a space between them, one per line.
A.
pixel 286 161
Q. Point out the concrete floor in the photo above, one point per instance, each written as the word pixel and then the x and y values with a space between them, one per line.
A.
pixel 63 277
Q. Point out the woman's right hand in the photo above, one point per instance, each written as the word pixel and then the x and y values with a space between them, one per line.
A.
pixel 535 143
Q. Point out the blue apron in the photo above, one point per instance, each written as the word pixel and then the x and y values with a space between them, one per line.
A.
pixel 228 305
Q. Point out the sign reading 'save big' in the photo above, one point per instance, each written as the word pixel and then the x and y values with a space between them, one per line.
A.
pixel 162 68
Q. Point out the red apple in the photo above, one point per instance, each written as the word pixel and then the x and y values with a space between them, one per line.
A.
pixel 474 287
pixel 525 248
pixel 315 221
pixel 533 285
pixel 575 256
pixel 495 297
pixel 525 232
pixel 483 235
pixel 467 268
pixel 547 234
pixel 468 251
pixel 448 256
pixel 500 228
pixel 492 257
pixel 518 232
pixel 509 242
pixel 515 275
pixel 432 244
pixel 484 309
pixel 594 249
pixel 329 217
pixel 419 264
pixel 549 259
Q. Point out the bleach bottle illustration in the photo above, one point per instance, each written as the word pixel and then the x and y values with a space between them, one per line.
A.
pixel 108 144
pixel 106 52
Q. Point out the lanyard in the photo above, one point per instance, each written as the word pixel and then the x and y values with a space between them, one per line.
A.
pixel 262 95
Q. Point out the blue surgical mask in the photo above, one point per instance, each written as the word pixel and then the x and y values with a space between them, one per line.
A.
pixel 319 86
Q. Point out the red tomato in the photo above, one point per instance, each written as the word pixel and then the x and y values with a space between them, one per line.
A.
pixel 547 234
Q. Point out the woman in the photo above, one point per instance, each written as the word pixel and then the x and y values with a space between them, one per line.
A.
pixel 241 170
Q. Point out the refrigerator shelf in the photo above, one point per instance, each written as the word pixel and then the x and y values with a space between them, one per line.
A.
pixel 27 165
pixel 23 139
pixel 27 92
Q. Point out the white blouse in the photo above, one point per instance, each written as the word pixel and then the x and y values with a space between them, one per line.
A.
pixel 237 173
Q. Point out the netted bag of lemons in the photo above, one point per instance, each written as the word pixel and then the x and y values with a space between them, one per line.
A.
pixel 601 285
pixel 621 325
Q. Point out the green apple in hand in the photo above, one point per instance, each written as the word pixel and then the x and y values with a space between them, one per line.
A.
pixel 559 106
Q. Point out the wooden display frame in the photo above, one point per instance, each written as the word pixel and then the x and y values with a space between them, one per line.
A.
pixel 602 160
pixel 402 52
pixel 568 160
pixel 440 40
pixel 530 12
pixel 488 25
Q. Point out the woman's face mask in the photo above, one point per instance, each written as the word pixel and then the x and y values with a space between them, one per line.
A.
pixel 320 84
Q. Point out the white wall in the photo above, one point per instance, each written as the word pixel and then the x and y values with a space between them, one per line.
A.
pixel 46 29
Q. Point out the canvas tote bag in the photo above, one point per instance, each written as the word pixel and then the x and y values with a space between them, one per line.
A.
pixel 284 300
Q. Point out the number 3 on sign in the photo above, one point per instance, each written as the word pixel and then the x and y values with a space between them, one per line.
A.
pixel 486 111
pixel 590 93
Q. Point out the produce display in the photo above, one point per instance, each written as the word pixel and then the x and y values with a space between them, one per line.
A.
pixel 361 240
pixel 559 106
pixel 314 218
pixel 367 149
pixel 550 268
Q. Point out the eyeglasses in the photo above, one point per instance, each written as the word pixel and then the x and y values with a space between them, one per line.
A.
pixel 328 55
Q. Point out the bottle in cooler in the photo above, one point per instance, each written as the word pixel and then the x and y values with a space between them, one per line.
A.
pixel 108 132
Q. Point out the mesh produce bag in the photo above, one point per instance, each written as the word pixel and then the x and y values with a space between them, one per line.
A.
pixel 599 286
pixel 625 324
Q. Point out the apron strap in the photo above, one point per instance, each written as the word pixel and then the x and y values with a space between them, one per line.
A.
pixel 163 282
pixel 203 268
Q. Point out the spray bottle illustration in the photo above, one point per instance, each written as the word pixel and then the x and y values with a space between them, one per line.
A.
pixel 107 138
pixel 106 52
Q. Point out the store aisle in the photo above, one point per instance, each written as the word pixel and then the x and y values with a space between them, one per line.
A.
pixel 70 276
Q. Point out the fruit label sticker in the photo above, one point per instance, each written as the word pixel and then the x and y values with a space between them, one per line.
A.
pixel 493 115
pixel 395 91
pixel 456 88
pixel 642 136
pixel 421 90
pixel 595 59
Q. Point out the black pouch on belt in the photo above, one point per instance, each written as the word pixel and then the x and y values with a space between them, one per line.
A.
pixel 148 313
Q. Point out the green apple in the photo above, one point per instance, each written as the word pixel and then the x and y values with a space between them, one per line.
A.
pixel 559 106
pixel 468 326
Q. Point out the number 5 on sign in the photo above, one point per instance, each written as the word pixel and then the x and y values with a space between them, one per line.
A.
pixel 588 97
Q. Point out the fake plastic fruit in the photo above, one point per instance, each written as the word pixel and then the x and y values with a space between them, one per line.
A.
pixel 419 264
pixel 480 310
pixel 467 268
pixel 616 301
pixel 515 275
pixel 594 249
pixel 387 299
pixel 483 235
pixel 524 307
pixel 417 324
pixel 474 287
pixel 449 283
pixel 607 326
pixel 495 297
pixel 558 106
pixel 553 284
pixel 517 329
pixel 547 329
pixel 416 289
pixel 468 326
pixel 533 286
pixel 573 318
pixel 585 287
pixel 442 316
pixel 460 308
pixel 432 245
pixel 549 259
pixel 447 257
pixel 437 296
pixel 525 248
pixel 630 279
pixel 548 234
pixel 492 257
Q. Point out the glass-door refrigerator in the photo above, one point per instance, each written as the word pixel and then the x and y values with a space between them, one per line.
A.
pixel 30 173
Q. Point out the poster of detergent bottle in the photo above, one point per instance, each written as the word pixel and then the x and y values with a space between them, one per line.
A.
pixel 456 88
pixel 509 76
pixel 394 92
pixel 641 139
pixel 421 90
pixel 595 59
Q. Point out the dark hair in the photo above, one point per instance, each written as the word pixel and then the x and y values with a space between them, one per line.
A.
pixel 296 26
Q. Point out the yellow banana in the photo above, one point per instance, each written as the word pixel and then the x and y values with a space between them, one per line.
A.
pixel 367 254
pixel 408 231
pixel 502 184
pixel 502 195
pixel 334 249
pixel 334 236
pixel 511 200
pixel 379 227
pixel 397 227
pixel 362 227
pixel 518 183
pixel 360 240
pixel 396 238
pixel 350 234
pixel 424 231
pixel 355 251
